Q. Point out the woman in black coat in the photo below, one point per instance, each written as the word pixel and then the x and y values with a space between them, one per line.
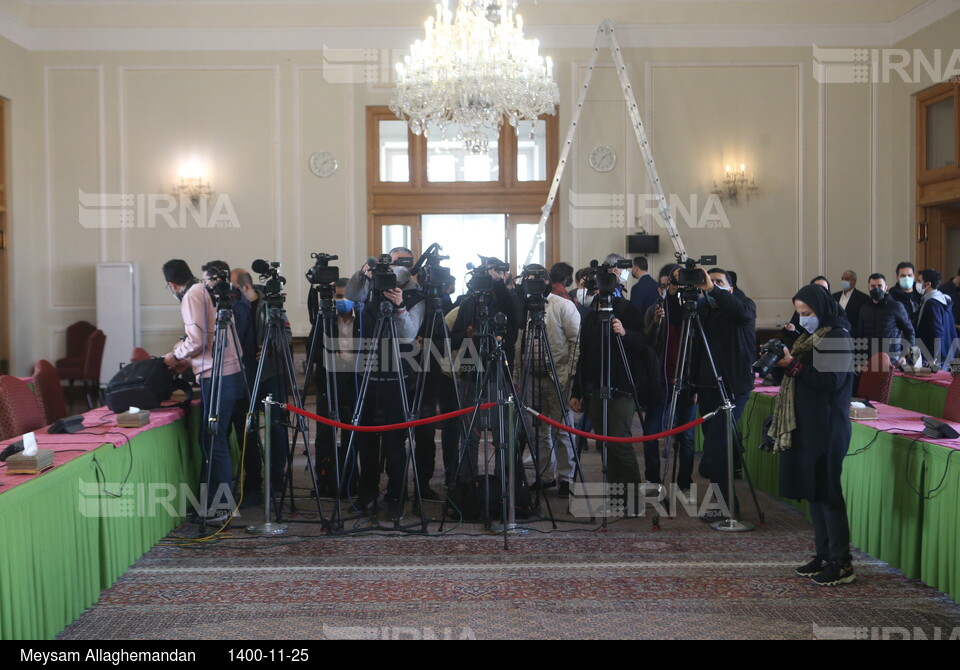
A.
pixel 811 429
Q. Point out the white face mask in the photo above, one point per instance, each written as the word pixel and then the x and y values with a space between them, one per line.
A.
pixel 403 275
pixel 583 298
pixel 809 323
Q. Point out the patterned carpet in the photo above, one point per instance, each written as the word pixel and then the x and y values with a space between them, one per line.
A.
pixel 683 581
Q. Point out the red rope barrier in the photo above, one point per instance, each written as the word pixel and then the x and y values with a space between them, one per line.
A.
pixel 621 440
pixel 383 429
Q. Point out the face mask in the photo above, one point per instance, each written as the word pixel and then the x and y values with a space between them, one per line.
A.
pixel 877 293
pixel 919 288
pixel 810 323
pixel 345 306
pixel 906 283
pixel 403 275
pixel 624 275
pixel 844 286
pixel 567 283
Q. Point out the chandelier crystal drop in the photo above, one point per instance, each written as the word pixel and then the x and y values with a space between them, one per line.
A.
pixel 472 69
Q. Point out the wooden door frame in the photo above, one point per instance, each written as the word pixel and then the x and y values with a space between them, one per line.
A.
pixel 4 241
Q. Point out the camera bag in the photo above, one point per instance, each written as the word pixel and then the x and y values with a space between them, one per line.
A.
pixel 144 384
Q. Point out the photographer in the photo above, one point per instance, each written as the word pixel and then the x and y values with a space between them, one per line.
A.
pixel 195 351
pixel 627 324
pixel 384 402
pixel 272 382
pixel 663 324
pixel 729 325
pixel 488 293
pixel 561 322
pixel 811 430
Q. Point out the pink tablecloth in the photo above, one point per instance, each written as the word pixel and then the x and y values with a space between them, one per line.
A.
pixel 99 428
pixel 890 419
pixel 940 378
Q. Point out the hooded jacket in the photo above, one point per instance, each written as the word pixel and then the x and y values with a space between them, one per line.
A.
pixel 936 328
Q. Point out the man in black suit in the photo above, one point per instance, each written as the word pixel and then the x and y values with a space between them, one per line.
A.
pixel 645 292
pixel 850 299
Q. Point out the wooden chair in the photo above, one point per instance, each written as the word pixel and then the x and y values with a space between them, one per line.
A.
pixel 88 372
pixel 951 408
pixel 139 354
pixel 49 392
pixel 20 412
pixel 77 334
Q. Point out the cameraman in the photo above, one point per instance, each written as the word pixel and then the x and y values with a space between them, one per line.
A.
pixel 663 324
pixel 626 323
pixel 384 403
pixel 195 350
pixel 561 322
pixel 729 322
pixel 272 382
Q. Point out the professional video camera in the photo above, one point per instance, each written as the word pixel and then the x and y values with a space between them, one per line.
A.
pixel 480 280
pixel 322 272
pixel 602 278
pixel 270 276
pixel 384 278
pixel 691 272
pixel 221 291
pixel 434 279
pixel 534 286
pixel 770 353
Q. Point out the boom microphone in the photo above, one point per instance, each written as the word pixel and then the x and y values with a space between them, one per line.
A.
pixel 260 266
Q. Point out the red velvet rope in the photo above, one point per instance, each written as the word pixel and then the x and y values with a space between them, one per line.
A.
pixel 487 405
pixel 621 440
pixel 392 426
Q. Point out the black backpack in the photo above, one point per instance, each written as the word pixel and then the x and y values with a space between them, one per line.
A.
pixel 144 384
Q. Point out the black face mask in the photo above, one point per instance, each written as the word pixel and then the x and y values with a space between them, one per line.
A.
pixel 877 293
pixel 567 282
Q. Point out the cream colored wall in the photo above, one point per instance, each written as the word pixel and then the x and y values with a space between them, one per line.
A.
pixel 830 160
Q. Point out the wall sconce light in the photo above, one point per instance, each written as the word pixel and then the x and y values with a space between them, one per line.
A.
pixel 735 183
pixel 192 184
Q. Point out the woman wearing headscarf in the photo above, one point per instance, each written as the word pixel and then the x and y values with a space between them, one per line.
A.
pixel 811 429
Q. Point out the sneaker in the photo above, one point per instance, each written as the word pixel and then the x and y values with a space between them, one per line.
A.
pixel 564 490
pixel 812 568
pixel 835 574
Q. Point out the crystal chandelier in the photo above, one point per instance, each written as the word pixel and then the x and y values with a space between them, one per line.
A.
pixel 473 69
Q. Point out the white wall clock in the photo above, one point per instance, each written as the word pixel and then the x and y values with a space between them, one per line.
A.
pixel 603 158
pixel 323 164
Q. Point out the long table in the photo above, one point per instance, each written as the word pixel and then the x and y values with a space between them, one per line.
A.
pixel 926 395
pixel 902 490
pixel 72 531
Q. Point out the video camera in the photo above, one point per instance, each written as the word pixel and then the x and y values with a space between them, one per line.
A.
pixel 480 280
pixel 434 279
pixel 221 291
pixel 322 272
pixel 602 278
pixel 691 273
pixel 384 278
pixel 270 276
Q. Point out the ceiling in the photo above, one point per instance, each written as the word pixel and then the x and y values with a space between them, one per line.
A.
pixel 208 25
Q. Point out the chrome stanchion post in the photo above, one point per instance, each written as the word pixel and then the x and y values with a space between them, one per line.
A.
pixel 268 527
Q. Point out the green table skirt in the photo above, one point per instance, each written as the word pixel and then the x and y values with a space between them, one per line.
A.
pixel 902 495
pixel 918 396
pixel 72 532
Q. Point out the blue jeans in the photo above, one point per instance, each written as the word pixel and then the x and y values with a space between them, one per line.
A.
pixel 217 470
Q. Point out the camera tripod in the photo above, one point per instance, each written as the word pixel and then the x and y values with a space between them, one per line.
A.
pixel 325 326
pixel 436 327
pixel 604 310
pixel 277 350
pixel 692 328
pixel 495 385
pixel 224 333
pixel 385 329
